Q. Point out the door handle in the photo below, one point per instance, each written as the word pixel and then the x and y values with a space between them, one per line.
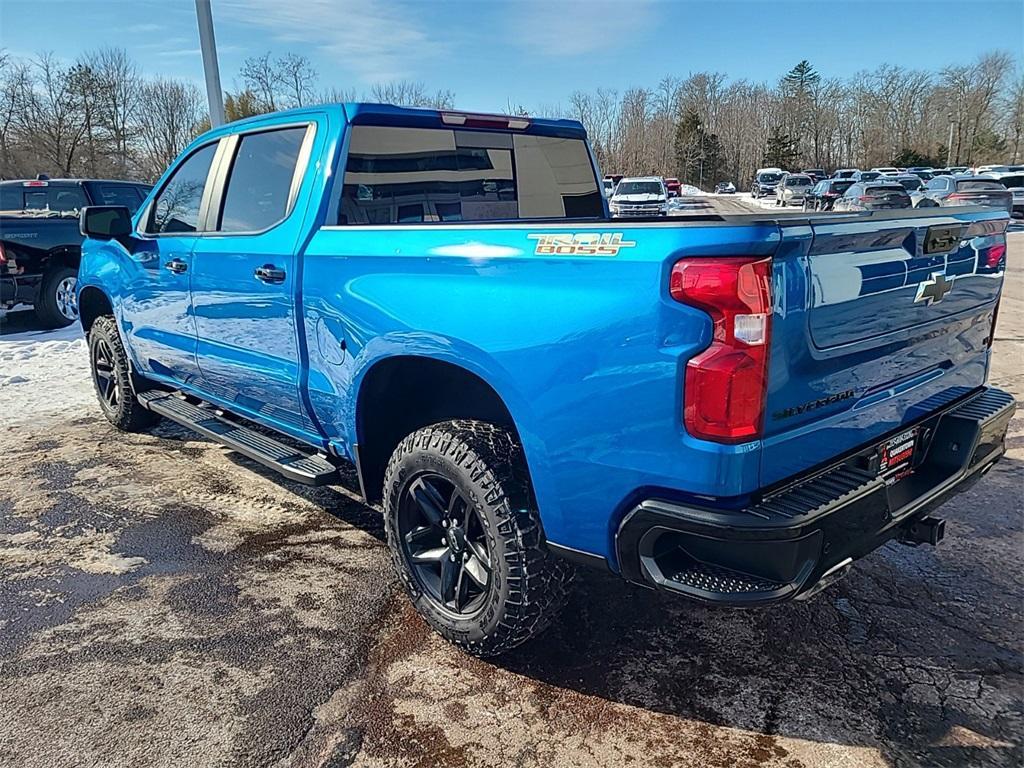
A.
pixel 177 266
pixel 268 273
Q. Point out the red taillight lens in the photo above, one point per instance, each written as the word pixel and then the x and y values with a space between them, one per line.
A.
pixel 725 385
pixel 3 255
pixel 995 255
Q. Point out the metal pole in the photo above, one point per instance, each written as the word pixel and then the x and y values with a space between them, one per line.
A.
pixel 949 151
pixel 204 15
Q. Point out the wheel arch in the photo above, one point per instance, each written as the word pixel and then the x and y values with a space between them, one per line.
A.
pixel 402 393
pixel 93 302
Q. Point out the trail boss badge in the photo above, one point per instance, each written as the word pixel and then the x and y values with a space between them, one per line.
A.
pixel 583 244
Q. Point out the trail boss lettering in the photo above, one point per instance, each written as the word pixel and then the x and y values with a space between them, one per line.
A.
pixel 582 244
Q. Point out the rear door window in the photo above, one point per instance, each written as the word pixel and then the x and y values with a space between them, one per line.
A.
pixel 258 191
pixel 414 175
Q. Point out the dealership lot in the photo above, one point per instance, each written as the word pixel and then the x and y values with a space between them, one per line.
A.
pixel 163 602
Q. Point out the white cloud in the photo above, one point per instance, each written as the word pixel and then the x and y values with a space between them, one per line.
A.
pixel 575 28
pixel 378 42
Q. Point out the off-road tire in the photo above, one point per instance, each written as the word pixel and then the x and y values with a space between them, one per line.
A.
pixel 46 305
pixel 529 585
pixel 126 413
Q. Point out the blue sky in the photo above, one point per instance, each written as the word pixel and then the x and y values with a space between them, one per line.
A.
pixel 531 52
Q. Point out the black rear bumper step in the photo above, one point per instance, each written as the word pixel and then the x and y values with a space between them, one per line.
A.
pixel 309 469
pixel 805 533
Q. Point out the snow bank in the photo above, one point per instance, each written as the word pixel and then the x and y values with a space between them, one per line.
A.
pixel 42 373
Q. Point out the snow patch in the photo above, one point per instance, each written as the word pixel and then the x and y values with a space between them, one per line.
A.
pixel 43 373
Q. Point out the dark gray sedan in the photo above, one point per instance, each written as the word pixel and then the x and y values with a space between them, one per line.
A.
pixel 966 190
pixel 873 196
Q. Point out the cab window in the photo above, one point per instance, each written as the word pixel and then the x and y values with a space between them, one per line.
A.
pixel 176 208
pixel 259 186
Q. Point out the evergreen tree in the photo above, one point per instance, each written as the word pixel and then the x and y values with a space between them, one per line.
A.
pixel 781 151
pixel 700 158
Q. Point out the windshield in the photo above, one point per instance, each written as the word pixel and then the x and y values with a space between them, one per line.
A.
pixel 911 185
pixel 869 175
pixel 639 188
pixel 798 181
pixel 768 177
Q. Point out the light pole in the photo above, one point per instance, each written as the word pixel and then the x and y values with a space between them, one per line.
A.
pixel 949 150
pixel 208 45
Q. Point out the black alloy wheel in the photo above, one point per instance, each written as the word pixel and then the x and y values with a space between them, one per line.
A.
pixel 445 544
pixel 104 376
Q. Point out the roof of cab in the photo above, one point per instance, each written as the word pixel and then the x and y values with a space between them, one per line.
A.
pixel 388 114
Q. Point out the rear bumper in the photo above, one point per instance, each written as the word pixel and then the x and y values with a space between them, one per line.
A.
pixel 801 536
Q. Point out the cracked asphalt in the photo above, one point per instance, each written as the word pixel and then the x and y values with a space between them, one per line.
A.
pixel 164 602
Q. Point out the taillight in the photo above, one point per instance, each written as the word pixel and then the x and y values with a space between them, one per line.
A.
pixel 725 385
pixel 3 255
pixel 995 255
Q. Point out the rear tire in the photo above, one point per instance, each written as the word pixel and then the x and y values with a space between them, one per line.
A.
pixel 112 378
pixel 466 538
pixel 57 304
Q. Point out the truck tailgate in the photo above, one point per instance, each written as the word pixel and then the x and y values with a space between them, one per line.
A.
pixel 878 318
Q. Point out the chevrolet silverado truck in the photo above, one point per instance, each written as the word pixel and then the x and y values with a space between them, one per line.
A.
pixel 40 241
pixel 727 408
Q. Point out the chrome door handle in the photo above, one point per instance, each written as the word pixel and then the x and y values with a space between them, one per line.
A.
pixel 177 266
pixel 268 273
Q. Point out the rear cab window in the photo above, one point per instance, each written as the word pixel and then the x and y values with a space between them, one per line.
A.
pixel 43 196
pixel 408 175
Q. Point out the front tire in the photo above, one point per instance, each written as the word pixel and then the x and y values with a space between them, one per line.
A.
pixel 466 538
pixel 112 378
pixel 57 304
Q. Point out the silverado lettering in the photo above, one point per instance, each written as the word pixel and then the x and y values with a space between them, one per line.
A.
pixel 821 402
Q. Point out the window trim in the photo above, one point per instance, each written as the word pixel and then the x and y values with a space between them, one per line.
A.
pixel 226 164
pixel 146 213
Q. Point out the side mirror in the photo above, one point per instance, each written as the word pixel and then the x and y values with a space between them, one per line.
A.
pixel 105 222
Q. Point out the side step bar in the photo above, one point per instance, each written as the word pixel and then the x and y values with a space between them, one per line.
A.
pixel 309 469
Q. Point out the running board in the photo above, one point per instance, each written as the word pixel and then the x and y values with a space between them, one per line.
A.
pixel 290 462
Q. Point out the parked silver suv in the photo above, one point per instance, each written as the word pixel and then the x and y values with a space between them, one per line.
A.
pixel 792 188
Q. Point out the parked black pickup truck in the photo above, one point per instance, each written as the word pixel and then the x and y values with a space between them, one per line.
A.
pixel 40 242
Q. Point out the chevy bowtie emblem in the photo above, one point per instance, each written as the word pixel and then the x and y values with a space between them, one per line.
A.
pixel 934 289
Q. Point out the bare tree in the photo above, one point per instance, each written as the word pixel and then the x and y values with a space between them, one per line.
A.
pixel 409 93
pixel 120 90
pixel 260 77
pixel 168 123
pixel 296 79
pixel 52 108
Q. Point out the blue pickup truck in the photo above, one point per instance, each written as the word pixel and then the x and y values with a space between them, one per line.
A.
pixel 728 408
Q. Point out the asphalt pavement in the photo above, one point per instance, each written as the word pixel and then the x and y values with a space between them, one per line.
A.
pixel 166 603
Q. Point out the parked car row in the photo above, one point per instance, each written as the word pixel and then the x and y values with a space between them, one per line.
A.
pixel 849 189
pixel 907 191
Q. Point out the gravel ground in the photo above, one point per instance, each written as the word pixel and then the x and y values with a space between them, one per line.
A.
pixel 166 603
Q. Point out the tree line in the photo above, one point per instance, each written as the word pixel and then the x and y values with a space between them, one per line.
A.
pixel 98 116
